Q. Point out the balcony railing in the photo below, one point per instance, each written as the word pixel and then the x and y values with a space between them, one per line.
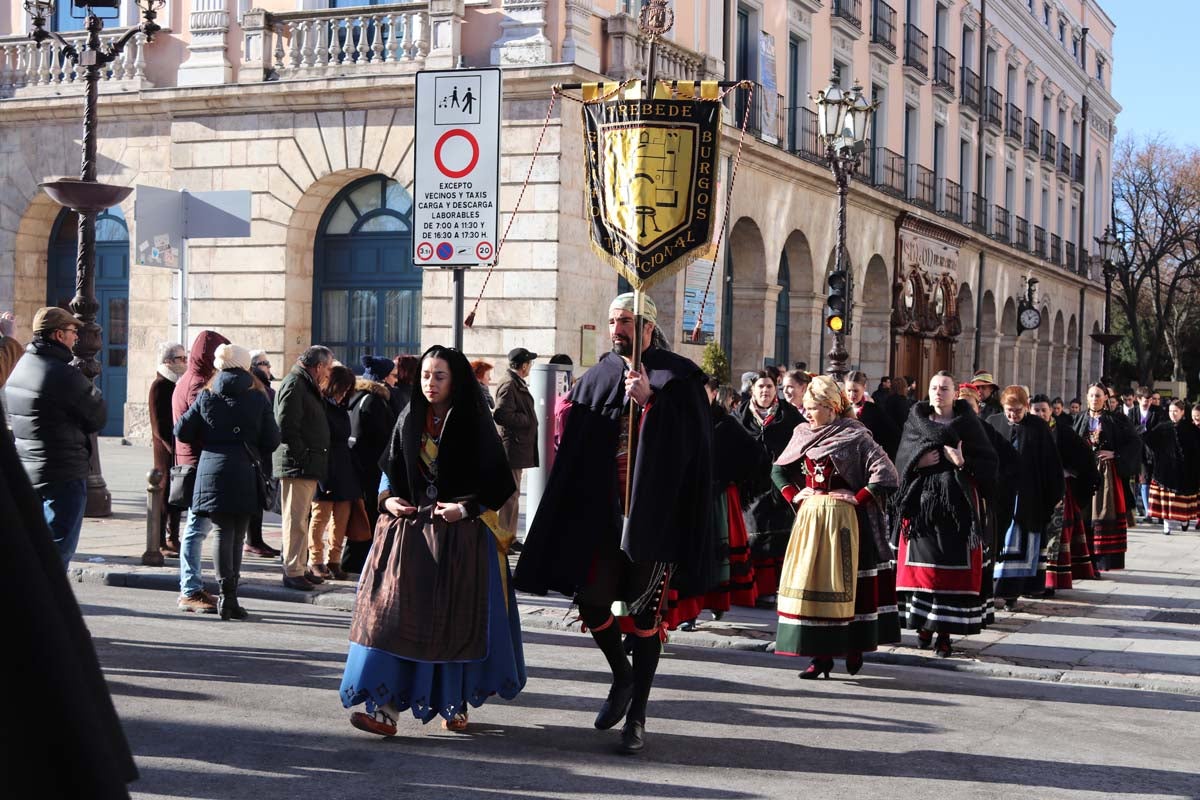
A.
pixel 24 64
pixel 1014 127
pixel 629 51
pixel 1039 241
pixel 335 42
pixel 921 186
pixel 916 49
pixel 1033 135
pixel 969 89
pixel 1084 265
pixel 1055 249
pixel 1021 229
pixel 889 172
pixel 978 215
pixel 1069 252
pixel 1077 173
pixel 993 107
pixel 883 25
pixel 1001 224
pixel 1049 151
pixel 945 67
pixel 950 204
pixel 1065 159
pixel 849 10
pixel 804 139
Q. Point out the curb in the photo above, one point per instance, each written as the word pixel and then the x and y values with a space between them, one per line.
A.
pixel 341 598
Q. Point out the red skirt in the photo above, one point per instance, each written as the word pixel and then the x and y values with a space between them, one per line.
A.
pixel 1168 505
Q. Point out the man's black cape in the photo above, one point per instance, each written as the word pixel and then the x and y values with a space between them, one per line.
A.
pixel 670 514
pixel 60 729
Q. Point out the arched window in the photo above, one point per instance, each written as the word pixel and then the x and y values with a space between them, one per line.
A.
pixel 366 291
pixel 783 312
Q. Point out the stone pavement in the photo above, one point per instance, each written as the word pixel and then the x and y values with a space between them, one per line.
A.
pixel 1139 628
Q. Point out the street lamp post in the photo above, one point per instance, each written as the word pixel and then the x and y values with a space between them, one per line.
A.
pixel 1106 244
pixel 85 195
pixel 843 118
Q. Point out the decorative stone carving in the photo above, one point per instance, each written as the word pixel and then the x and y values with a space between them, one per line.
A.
pixel 208 60
pixel 941 112
pixel 879 71
pixel 970 17
pixel 522 35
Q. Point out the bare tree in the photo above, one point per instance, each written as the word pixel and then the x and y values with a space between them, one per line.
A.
pixel 1156 217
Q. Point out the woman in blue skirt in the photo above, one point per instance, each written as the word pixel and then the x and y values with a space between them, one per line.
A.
pixel 435 621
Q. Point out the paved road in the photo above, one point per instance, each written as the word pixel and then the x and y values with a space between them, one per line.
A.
pixel 250 710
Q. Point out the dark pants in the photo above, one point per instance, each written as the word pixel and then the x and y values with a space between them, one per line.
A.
pixel 168 527
pixel 62 504
pixel 227 544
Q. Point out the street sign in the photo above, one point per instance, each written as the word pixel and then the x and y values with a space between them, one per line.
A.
pixel 166 218
pixel 456 176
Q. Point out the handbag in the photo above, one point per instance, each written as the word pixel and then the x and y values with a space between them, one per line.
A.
pixel 181 484
pixel 267 488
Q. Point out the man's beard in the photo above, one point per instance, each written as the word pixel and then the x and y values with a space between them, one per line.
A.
pixel 622 346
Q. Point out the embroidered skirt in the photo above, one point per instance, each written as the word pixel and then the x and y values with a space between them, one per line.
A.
pixel 1020 563
pixel 1108 538
pixel 1168 505
pixel 940 584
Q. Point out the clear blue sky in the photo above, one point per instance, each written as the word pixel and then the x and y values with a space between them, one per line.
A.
pixel 1154 75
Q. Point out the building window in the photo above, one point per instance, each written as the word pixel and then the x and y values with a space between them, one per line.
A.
pixel 1046 14
pixel 1062 31
pixel 783 312
pixel 1100 69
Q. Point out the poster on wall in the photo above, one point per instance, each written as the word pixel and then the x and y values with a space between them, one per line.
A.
pixel 768 107
pixel 694 281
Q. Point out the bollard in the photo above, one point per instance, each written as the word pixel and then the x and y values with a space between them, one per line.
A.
pixel 153 557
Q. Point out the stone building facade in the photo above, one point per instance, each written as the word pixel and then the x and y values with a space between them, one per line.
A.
pixel 310 108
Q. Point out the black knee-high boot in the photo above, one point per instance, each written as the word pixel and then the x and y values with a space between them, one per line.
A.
pixel 646 651
pixel 607 635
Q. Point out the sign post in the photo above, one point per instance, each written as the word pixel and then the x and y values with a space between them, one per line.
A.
pixel 456 176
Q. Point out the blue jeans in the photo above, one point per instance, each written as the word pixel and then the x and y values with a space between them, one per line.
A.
pixel 191 549
pixel 1145 492
pixel 62 505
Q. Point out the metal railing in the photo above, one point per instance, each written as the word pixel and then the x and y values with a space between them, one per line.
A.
pixel 916 49
pixel 849 10
pixel 1039 241
pixel 1065 159
pixel 945 67
pixel 768 116
pixel 979 212
pixel 1033 135
pixel 883 25
pixel 804 139
pixel 1055 249
pixel 993 107
pixel 1069 254
pixel 969 88
pixel 921 187
pixel 1077 173
pixel 1084 262
pixel 950 200
pixel 889 172
pixel 1001 224
pixel 1014 127
pixel 1049 151
pixel 24 64
pixel 1021 229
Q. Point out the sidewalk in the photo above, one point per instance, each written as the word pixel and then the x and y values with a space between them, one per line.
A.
pixel 1139 628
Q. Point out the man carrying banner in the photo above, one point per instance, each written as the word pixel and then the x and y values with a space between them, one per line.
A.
pixel 586 543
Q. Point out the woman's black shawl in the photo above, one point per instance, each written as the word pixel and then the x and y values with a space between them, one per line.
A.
pixel 768 516
pixel 736 454
pixel 1077 462
pixel 1039 481
pixel 1189 445
pixel 1167 466
pixel 937 500
pixel 1116 434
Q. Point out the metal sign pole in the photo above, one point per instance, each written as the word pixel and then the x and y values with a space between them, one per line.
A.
pixel 458 308
pixel 183 293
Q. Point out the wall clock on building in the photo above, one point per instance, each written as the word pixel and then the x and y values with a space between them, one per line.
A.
pixel 1029 319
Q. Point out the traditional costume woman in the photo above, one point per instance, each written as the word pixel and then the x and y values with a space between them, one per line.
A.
pixel 1117 451
pixel 435 621
pixel 837 592
pixel 947 466
pixel 1173 483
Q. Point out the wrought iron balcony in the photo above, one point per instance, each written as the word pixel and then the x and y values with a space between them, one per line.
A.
pixel 1039 241
pixel 1049 149
pixel 849 10
pixel 1014 127
pixel 889 172
pixel 1069 252
pixel 883 25
pixel 993 107
pixel 1033 135
pixel 921 186
pixel 1077 172
pixel 804 139
pixel 951 200
pixel 916 49
pixel 979 213
pixel 1065 159
pixel 1001 224
pixel 970 89
pixel 945 67
pixel 1055 249
pixel 1021 229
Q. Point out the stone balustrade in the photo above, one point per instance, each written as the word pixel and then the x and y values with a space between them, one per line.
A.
pixel 335 42
pixel 629 52
pixel 26 69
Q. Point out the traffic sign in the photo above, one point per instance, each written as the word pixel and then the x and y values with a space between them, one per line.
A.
pixel 456 177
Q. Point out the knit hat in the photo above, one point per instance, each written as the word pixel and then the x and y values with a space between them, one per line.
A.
pixel 53 318
pixel 377 368
pixel 231 356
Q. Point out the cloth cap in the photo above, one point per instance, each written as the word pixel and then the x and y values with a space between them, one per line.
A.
pixel 625 303
pixel 519 355
pixel 231 356
pixel 377 368
pixel 984 378
pixel 53 318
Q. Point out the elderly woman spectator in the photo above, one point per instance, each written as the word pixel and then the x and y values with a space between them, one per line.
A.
pixel 172 362
pixel 483 374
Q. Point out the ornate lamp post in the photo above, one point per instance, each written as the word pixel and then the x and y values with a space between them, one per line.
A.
pixel 843 118
pixel 1106 244
pixel 84 195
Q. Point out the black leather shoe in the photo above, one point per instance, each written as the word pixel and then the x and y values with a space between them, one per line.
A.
pixel 616 705
pixel 633 738
pixel 299 582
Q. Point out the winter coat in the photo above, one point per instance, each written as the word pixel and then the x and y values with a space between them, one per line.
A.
pixel 768 516
pixel 221 422
pixel 881 426
pixel 517 419
pixel 10 353
pixel 1116 433
pixel 54 410
pixel 1167 465
pixel 341 480
pixel 199 370
pixel 1039 485
pixel 162 426
pixel 303 429
pixel 371 424
pixel 896 406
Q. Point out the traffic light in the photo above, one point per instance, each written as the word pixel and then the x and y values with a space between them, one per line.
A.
pixel 837 304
